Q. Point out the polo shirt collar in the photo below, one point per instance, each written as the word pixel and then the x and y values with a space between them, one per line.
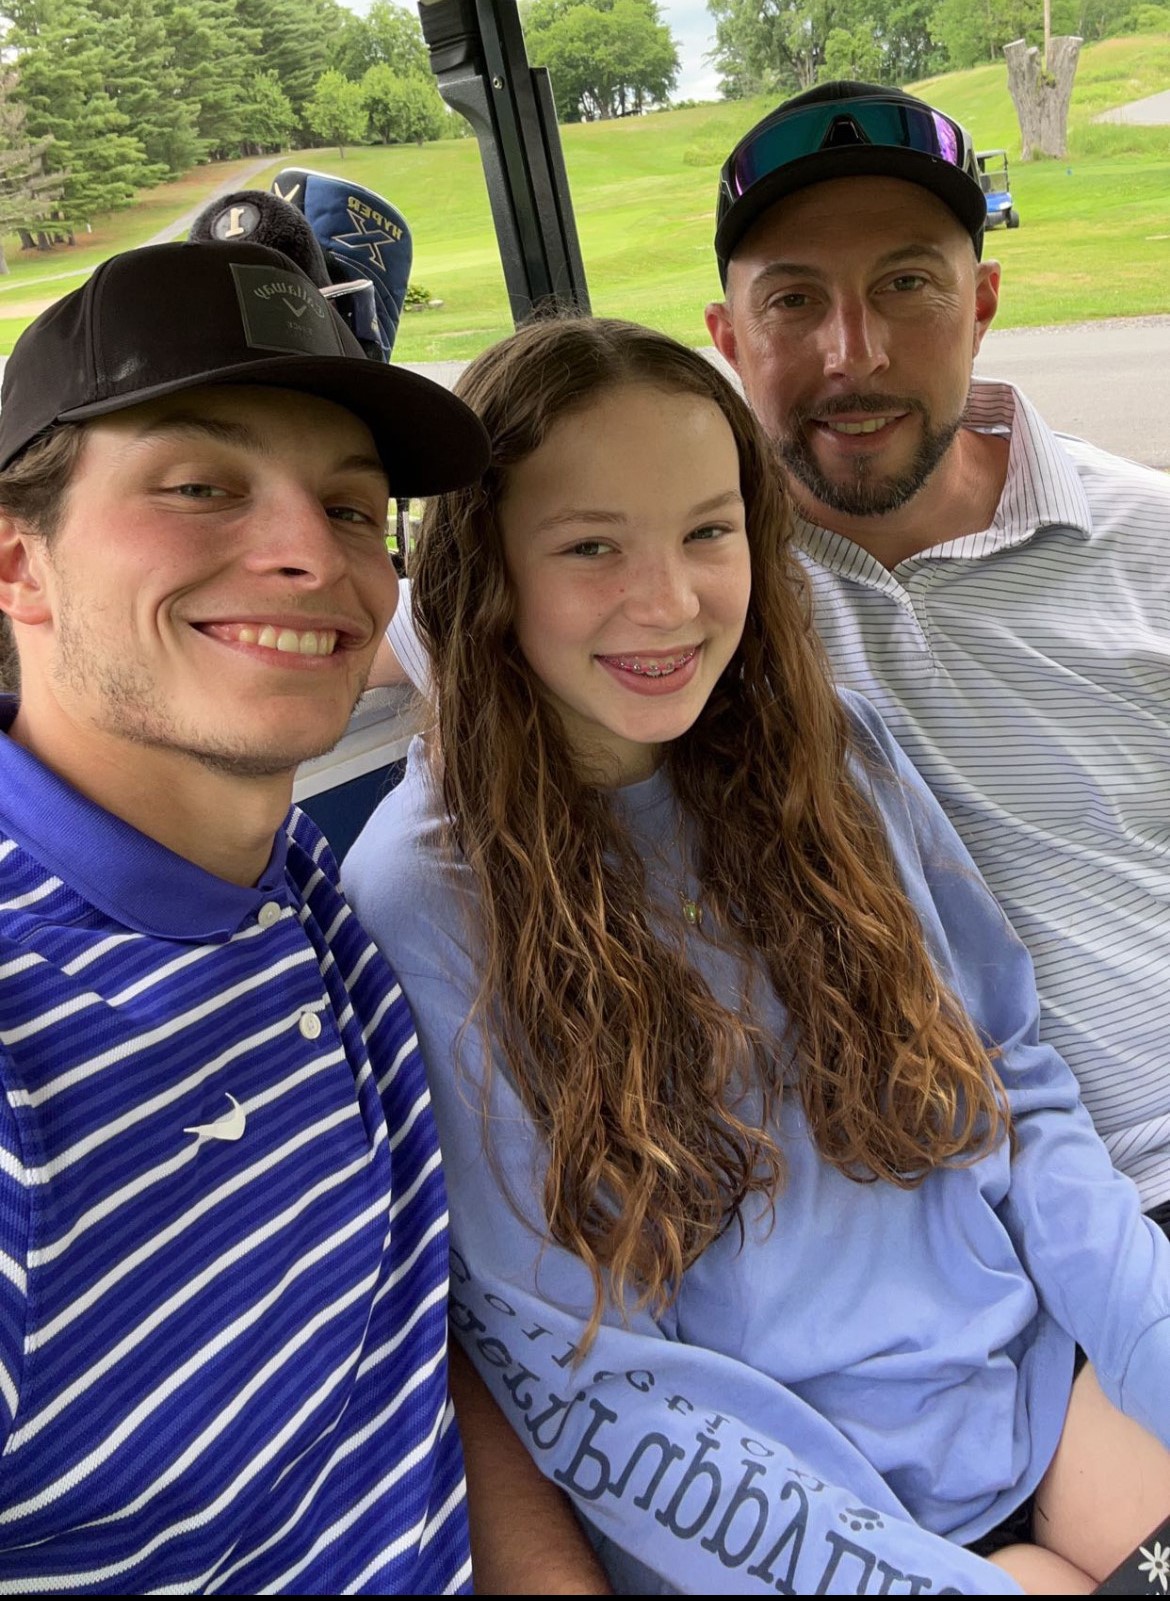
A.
pixel 1042 489
pixel 124 874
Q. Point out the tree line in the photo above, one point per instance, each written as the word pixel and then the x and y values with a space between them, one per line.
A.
pixel 102 98
pixel 787 45
pixel 606 58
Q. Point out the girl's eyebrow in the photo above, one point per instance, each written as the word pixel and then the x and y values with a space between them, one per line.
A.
pixel 580 514
pixel 575 515
pixel 729 497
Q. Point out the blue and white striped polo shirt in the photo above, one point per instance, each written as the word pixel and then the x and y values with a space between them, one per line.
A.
pixel 223 1229
pixel 1026 672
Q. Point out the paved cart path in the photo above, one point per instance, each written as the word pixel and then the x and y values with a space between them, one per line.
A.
pixel 173 229
pixel 1153 111
pixel 1107 381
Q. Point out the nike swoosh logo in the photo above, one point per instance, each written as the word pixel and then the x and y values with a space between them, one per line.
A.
pixel 228 1127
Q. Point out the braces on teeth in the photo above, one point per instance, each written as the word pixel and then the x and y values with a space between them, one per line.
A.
pixel 654 669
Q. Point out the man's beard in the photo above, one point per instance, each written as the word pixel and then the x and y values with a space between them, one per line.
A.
pixel 864 493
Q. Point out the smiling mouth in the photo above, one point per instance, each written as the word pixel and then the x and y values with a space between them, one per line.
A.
pixel 871 425
pixel 289 641
pixel 652 666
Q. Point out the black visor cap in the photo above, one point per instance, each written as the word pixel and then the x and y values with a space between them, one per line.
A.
pixel 165 318
pixel 953 181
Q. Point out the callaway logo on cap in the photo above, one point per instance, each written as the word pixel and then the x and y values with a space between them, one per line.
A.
pixel 166 318
pixel 284 312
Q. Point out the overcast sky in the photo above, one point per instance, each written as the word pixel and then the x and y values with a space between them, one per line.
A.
pixel 693 27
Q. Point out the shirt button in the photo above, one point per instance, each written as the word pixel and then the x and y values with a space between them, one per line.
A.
pixel 268 914
pixel 310 1025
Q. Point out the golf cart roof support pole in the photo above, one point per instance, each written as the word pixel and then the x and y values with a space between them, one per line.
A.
pixel 478 56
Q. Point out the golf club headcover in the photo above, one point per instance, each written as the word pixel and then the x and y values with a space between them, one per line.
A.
pixel 364 238
pixel 263 219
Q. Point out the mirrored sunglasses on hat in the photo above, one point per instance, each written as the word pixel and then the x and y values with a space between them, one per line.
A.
pixel 840 135
pixel 803 131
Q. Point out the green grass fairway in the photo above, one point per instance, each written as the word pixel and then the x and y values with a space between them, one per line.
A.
pixel 1094 239
pixel 121 230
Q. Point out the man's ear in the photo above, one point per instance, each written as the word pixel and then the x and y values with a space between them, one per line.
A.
pixel 719 326
pixel 24 567
pixel 987 274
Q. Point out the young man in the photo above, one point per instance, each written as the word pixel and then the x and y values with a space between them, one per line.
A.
pixel 223 1248
pixel 1001 593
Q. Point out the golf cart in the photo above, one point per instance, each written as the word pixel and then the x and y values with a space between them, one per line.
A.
pixel 993 175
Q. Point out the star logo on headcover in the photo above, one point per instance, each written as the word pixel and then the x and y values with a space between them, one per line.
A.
pixel 368 237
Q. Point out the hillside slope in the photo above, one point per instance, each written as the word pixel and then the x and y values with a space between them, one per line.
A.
pixel 1094 240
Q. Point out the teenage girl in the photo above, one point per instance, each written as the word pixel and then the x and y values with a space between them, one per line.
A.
pixel 784 1243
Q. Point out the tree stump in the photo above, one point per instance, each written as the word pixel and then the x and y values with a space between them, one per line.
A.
pixel 1041 97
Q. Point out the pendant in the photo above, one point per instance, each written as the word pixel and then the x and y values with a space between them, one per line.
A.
pixel 691 910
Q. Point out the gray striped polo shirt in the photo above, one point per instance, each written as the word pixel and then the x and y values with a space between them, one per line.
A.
pixel 1026 672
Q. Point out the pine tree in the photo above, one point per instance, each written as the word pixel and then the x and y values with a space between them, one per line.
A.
pixel 29 196
pixel 295 38
pixel 351 49
pixel 144 83
pixel 214 55
pixel 61 55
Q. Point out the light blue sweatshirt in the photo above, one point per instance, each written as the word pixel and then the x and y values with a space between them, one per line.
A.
pixel 843 1402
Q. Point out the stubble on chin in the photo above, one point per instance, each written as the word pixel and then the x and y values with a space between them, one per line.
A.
pixel 128 708
pixel 861 490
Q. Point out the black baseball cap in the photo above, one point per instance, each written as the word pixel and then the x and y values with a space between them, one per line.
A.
pixel 846 130
pixel 164 318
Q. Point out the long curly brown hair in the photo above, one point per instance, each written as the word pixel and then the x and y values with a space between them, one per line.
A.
pixel 633 1070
